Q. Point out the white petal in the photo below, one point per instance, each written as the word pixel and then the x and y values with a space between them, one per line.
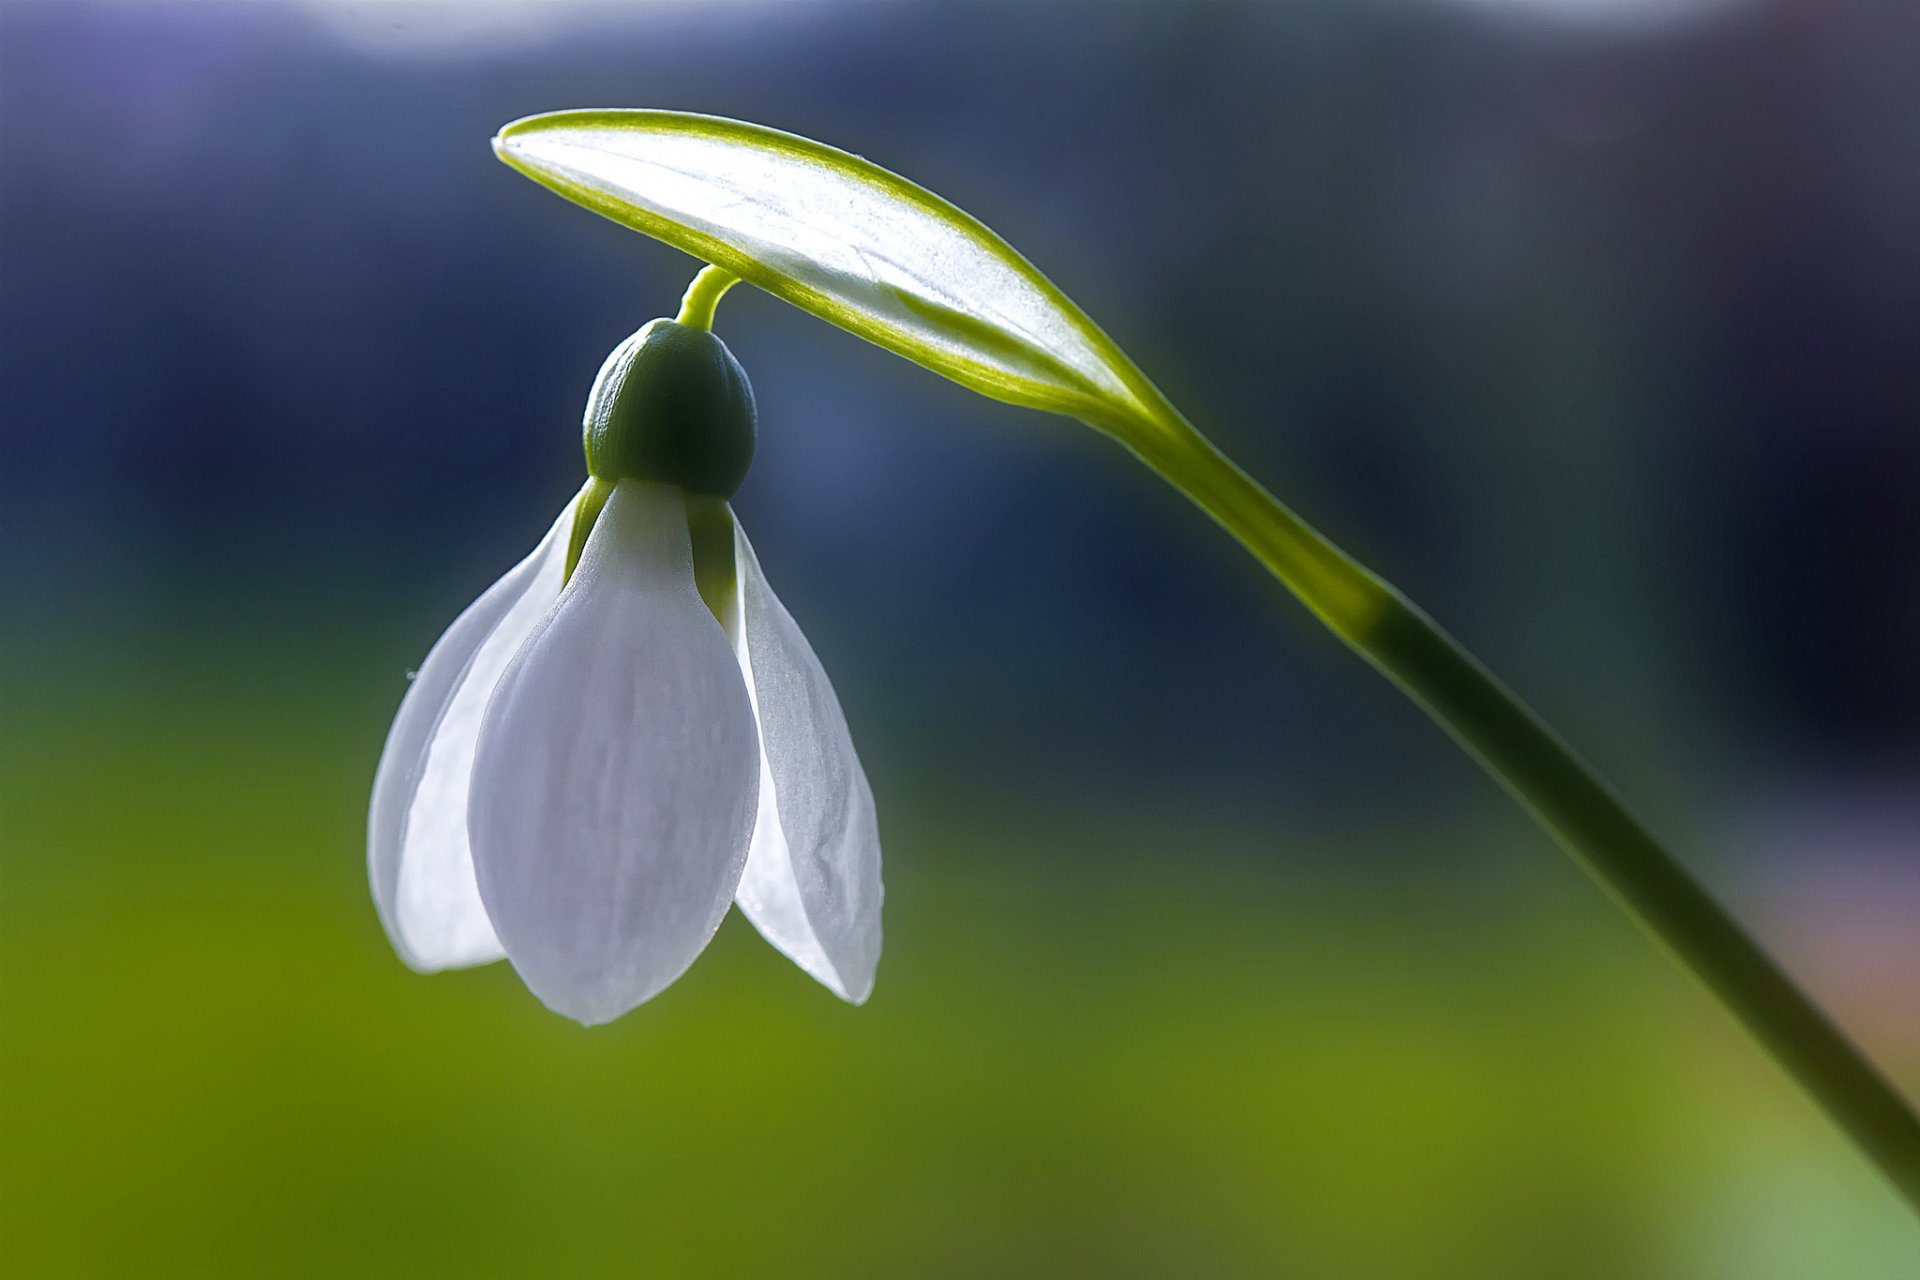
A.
pixel 812 884
pixel 614 789
pixel 417 856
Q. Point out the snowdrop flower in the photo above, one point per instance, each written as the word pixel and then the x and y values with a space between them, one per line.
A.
pixel 627 733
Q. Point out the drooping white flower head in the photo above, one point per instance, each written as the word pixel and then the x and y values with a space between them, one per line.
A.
pixel 590 768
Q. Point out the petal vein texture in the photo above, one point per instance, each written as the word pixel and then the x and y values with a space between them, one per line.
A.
pixel 418 857
pixel 617 775
pixel 812 885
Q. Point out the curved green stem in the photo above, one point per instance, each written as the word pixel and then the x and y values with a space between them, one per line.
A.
pixel 1561 791
pixel 703 295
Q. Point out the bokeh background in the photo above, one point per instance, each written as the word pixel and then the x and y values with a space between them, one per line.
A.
pixel 1592 323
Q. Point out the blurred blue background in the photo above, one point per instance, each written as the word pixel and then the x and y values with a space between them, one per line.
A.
pixel 1592 324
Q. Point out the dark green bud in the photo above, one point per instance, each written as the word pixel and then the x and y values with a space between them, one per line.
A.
pixel 672 405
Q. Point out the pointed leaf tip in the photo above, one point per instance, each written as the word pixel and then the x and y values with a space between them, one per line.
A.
pixel 843 239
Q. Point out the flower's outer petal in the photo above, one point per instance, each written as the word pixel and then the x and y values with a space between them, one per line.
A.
pixel 812 884
pixel 614 789
pixel 417 855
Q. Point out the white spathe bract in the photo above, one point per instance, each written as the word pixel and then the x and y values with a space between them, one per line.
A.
pixel 582 780
pixel 842 238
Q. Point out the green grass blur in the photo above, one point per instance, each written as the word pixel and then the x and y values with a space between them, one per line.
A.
pixel 1082 1058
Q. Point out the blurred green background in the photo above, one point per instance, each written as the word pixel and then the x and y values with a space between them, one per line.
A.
pixel 1588 323
pixel 1096 1050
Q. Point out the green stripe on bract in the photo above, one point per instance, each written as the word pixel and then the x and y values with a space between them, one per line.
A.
pixel 882 263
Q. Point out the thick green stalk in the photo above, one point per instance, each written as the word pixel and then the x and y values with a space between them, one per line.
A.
pixel 1561 791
